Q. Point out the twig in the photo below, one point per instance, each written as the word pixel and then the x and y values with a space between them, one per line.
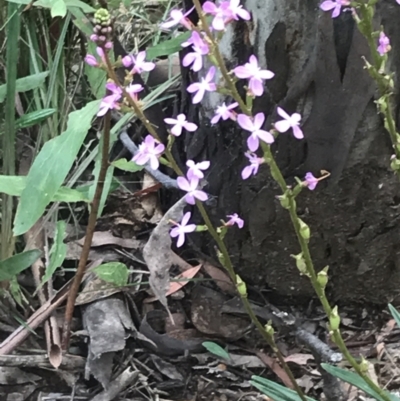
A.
pixel 69 310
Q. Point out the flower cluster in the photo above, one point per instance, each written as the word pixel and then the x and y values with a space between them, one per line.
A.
pixel 201 46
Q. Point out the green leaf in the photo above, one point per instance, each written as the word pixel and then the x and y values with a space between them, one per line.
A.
pixel 216 349
pixel 114 272
pixel 59 9
pixel 14 186
pixel 25 84
pixel 51 167
pixel 17 263
pixel 19 1
pixel 81 21
pixel 57 252
pixel 395 313
pixel 275 391
pixel 27 120
pixel 168 47
pixel 124 165
pixel 86 8
pixel 355 380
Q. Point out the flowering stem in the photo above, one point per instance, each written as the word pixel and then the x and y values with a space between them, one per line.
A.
pixel 69 310
pixel 217 54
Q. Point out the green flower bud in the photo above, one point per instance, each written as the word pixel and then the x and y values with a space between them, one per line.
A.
pixel 322 277
pixel 102 17
pixel 269 329
pixel 241 286
pixel 334 319
pixel 285 202
pixel 304 230
pixel 300 263
pixel 364 365
pixel 395 164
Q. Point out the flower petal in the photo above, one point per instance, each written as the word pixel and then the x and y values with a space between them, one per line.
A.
pixel 183 184
pixel 282 126
pixel 245 122
pixel 186 218
pixel 253 143
pixel 259 120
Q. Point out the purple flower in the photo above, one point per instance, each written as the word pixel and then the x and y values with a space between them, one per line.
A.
pixel 138 62
pixel 292 121
pixel 178 17
pixel 310 181
pixel 335 5
pixel 237 10
pixel 110 102
pixel 255 128
pixel 204 85
pixel 180 123
pixel 221 14
pixel 234 219
pixel 190 186
pixel 196 57
pixel 384 44
pixel 133 90
pixel 255 163
pixel 224 112
pixel 183 228
pixel 255 74
pixel 91 60
pixel 149 152
pixel 195 169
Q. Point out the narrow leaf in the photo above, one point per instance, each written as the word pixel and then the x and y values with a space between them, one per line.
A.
pixel 215 349
pixel 33 118
pixel 57 252
pixel 395 313
pixel 124 165
pixel 86 8
pixel 51 167
pixel 114 272
pixel 25 84
pixel 18 263
pixel 168 47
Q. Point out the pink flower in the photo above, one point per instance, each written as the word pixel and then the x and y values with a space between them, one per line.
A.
pixel 292 121
pixel 178 17
pixel 138 62
pixel 384 44
pixel 195 169
pixel 255 128
pixel 335 5
pixel 234 219
pixel 149 152
pixel 255 163
pixel 237 10
pixel 221 14
pixel 133 90
pixel 204 85
pixel 190 186
pixel 310 181
pixel 91 60
pixel 110 102
pixel 196 57
pixel 255 74
pixel 224 112
pixel 180 123
pixel 183 228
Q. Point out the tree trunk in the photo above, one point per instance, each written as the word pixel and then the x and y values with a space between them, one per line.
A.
pixel 353 216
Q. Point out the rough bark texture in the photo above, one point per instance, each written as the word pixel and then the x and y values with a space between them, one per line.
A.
pixel 354 216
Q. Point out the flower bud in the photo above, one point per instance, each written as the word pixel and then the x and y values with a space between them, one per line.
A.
pixel 284 199
pixel 304 230
pixel 300 263
pixel 269 329
pixel 334 319
pixel 102 17
pixel 241 286
pixel 322 277
pixel 364 365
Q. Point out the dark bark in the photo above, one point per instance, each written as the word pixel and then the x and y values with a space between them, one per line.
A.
pixel 354 215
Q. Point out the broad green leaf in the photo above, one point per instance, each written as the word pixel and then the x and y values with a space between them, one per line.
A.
pixel 57 252
pixel 395 313
pixel 25 84
pixel 33 118
pixel 81 21
pixel 215 349
pixel 14 185
pixel 275 391
pixel 168 47
pixel 355 380
pixel 58 9
pixel 18 263
pixel 19 1
pixel 86 8
pixel 124 165
pixel 114 272
pixel 51 167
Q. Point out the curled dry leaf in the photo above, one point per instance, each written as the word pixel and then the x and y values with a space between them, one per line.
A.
pixel 222 280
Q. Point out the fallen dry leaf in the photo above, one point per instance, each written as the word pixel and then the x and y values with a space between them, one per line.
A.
pixel 174 286
pixel 299 359
pixel 276 368
pixel 101 238
pixel 221 278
